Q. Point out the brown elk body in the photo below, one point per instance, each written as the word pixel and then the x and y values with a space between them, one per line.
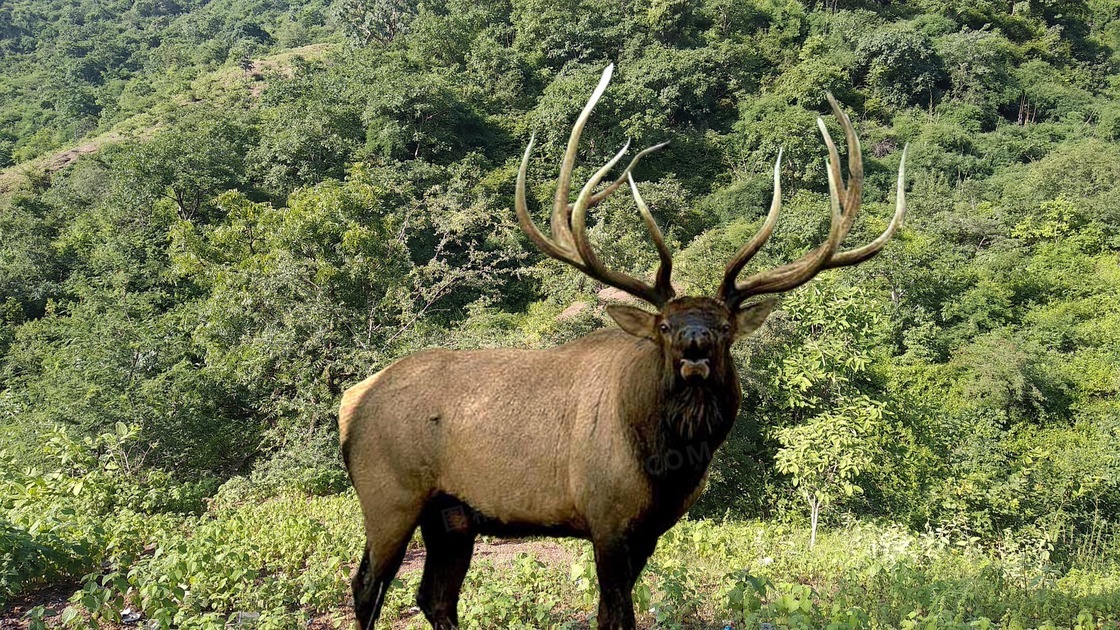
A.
pixel 606 438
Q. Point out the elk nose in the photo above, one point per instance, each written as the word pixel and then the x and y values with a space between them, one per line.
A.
pixel 696 336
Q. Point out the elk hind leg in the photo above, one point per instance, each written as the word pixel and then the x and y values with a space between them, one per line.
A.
pixel 449 540
pixel 385 548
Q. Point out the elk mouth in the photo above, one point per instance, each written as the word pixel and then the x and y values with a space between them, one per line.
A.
pixel 694 365
pixel 695 369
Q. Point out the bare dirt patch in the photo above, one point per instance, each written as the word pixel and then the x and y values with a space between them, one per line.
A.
pixel 499 552
pixel 19 176
pixel 54 598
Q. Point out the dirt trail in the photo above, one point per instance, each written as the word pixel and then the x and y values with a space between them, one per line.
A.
pixel 15 176
pixel 498 552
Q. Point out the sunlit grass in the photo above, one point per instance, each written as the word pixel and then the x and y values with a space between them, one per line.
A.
pixel 289 558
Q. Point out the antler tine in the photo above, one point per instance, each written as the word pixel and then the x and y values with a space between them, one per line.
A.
pixel 845 203
pixel 550 247
pixel 569 241
pixel 844 200
pixel 851 192
pixel 604 193
pixel 861 254
pixel 561 211
pixel 855 156
pixel 747 252
pixel 595 267
pixel 663 283
pixel 794 274
pixel 545 244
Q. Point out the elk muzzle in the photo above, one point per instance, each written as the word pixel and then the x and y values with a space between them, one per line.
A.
pixel 696 344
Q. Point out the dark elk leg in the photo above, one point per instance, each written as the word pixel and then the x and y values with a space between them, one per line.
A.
pixel 618 564
pixel 386 542
pixel 371 583
pixel 449 540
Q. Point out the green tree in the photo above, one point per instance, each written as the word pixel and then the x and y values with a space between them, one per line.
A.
pixel 826 454
pixel 380 21
pixel 900 67
pixel 201 156
pixel 979 65
pixel 304 142
pixel 420 116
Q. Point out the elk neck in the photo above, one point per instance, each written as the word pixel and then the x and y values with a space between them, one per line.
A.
pixel 684 423
pixel 702 413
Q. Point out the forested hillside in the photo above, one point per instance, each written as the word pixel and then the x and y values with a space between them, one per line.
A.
pixel 69 70
pixel 266 222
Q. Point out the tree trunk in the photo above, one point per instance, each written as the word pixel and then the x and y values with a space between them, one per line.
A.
pixel 814 513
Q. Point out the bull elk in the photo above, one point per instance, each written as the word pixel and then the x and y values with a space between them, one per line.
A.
pixel 559 442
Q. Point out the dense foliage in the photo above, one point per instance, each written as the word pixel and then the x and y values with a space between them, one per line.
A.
pixel 70 69
pixel 267 222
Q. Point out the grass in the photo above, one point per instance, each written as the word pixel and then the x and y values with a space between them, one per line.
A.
pixel 187 557
pixel 289 559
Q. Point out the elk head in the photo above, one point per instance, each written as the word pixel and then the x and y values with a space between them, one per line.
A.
pixel 695 333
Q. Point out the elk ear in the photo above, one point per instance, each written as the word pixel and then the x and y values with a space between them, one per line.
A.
pixel 634 320
pixel 751 317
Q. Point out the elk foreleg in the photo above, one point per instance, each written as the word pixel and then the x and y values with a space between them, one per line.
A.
pixel 618 564
pixel 449 543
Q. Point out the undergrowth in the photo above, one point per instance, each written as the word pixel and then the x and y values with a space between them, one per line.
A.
pixel 146 543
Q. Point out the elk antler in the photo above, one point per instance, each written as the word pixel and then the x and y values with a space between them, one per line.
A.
pixel 569 241
pixel 845 204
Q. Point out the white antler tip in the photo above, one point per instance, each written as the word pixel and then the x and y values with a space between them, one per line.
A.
pixel 599 89
pixel 608 72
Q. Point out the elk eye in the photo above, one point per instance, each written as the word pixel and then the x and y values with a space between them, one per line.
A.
pixel 664 327
pixel 725 327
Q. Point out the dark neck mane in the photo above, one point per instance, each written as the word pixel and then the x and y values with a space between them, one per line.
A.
pixel 704 413
pixel 693 413
pixel 681 425
pixel 691 422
